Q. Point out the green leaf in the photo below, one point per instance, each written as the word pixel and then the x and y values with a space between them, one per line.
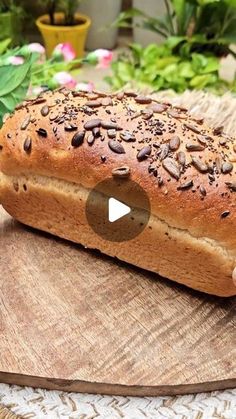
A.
pixel 12 76
pixel 179 8
pixel 163 63
pixel 185 70
pixel 4 45
pixel 213 65
pixel 14 90
pixel 125 71
pixel 174 41
pixel 137 51
pixel 231 3
pixel 124 18
pixel 169 72
pixel 199 61
pixel 206 2
pixel 199 82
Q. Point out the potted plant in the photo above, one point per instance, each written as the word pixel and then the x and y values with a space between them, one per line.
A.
pixel 62 24
pixel 10 21
pixel 189 25
pixel 196 35
pixel 101 33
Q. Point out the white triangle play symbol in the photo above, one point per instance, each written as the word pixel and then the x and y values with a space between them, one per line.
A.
pixel 116 210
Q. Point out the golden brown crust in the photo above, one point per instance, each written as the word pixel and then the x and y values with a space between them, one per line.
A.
pixel 58 207
pixel 47 137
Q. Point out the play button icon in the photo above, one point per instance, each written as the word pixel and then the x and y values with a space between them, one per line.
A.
pixel 117 209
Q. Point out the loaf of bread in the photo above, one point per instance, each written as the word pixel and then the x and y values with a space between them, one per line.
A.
pixel 56 148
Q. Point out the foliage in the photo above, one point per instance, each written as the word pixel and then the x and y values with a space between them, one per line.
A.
pixel 25 71
pixel 68 7
pixel 4 45
pixel 157 67
pixel 11 6
pixel 193 25
pixel 195 32
pixel 14 83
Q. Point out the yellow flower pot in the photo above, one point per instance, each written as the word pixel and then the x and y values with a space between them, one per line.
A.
pixel 56 34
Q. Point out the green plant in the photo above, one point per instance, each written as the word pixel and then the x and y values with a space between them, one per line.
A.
pixel 11 6
pixel 192 25
pixel 68 7
pixel 12 15
pixel 196 34
pixel 26 72
pixel 157 67
pixel 14 83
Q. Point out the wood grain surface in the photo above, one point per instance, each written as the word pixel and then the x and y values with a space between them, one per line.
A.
pixel 76 320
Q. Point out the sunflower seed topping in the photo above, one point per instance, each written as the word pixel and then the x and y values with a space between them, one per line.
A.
pixel 200 166
pixel 121 172
pixel 174 143
pixel 144 153
pixel 116 147
pixel 226 167
pixel 171 167
pixel 27 145
pixel 25 123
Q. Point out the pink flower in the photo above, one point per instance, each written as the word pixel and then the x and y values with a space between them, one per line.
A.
pixel 64 79
pixel 64 51
pixel 101 57
pixel 104 58
pixel 36 47
pixel 15 60
pixel 85 87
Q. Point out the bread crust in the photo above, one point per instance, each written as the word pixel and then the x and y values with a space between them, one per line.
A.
pixel 197 200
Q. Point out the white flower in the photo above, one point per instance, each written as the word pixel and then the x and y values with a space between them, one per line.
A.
pixel 85 87
pixel 36 47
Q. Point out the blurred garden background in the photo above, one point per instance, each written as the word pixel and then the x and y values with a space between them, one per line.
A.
pixel 152 45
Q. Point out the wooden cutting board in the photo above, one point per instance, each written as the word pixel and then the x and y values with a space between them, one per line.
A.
pixel 73 319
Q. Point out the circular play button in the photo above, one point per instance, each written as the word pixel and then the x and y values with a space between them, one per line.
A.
pixel 117 209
